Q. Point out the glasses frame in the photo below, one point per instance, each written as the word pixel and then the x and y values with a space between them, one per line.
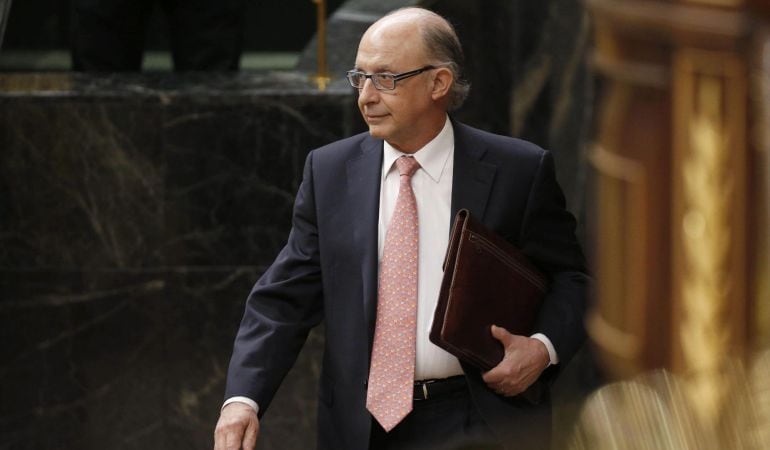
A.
pixel 394 76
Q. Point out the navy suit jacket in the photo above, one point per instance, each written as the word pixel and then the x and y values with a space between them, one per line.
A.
pixel 328 271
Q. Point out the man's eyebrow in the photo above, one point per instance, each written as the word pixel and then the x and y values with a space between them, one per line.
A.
pixel 379 69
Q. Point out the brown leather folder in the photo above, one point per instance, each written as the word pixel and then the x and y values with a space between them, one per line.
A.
pixel 487 281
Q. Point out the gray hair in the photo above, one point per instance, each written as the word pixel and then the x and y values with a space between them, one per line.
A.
pixel 443 46
pixel 442 43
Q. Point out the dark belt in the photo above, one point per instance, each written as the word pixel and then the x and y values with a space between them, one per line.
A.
pixel 430 389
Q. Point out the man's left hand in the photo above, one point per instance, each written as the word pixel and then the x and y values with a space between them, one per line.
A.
pixel 525 359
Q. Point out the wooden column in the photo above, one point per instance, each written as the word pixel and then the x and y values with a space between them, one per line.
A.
pixel 680 233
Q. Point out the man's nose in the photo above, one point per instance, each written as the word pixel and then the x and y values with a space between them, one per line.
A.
pixel 368 93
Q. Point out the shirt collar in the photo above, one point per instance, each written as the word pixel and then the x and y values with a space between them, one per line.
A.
pixel 432 157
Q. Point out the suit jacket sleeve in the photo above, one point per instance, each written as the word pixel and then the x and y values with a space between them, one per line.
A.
pixel 548 238
pixel 282 307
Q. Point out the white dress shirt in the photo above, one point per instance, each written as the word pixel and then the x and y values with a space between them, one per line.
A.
pixel 432 186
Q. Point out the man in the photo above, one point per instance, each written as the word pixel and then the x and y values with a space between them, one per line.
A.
pixel 370 227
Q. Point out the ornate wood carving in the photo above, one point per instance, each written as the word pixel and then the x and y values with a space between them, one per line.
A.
pixel 680 234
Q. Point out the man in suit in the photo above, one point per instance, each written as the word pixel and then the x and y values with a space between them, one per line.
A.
pixel 338 266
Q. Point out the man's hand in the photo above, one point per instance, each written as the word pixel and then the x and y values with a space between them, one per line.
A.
pixel 525 359
pixel 237 428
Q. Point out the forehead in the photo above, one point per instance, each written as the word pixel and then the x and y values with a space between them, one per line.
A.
pixel 391 46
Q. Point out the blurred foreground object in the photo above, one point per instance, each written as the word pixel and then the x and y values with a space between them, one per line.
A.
pixel 680 240
pixel 653 412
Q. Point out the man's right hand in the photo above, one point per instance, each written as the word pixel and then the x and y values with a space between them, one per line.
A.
pixel 237 428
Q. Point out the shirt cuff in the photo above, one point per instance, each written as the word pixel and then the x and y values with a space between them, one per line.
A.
pixel 549 346
pixel 245 400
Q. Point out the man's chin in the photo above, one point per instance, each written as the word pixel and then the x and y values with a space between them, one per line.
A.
pixel 376 131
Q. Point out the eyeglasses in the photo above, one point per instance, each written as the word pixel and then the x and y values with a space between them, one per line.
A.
pixel 382 81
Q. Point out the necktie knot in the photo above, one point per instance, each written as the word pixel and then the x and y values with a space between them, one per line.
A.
pixel 407 165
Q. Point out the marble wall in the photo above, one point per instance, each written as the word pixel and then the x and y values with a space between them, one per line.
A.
pixel 136 213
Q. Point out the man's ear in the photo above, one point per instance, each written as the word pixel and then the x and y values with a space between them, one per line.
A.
pixel 442 81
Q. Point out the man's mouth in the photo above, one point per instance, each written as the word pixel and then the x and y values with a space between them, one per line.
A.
pixel 370 116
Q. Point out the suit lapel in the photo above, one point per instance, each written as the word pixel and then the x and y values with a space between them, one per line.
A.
pixel 363 174
pixel 472 178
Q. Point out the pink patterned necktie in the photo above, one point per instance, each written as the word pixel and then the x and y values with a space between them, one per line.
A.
pixel 391 375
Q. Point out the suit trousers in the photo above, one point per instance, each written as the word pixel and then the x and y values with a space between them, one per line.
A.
pixel 448 422
pixel 108 35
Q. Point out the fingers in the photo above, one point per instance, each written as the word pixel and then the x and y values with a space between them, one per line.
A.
pixel 502 335
pixel 220 437
pixel 500 372
pixel 495 374
pixel 499 377
pixel 228 436
pixel 521 366
pixel 237 428
pixel 250 437
pixel 233 440
pixel 503 379
pixel 507 384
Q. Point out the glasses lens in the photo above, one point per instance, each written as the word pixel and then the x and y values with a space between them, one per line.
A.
pixel 355 78
pixel 384 81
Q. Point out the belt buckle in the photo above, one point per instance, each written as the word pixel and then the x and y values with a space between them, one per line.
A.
pixel 425 388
